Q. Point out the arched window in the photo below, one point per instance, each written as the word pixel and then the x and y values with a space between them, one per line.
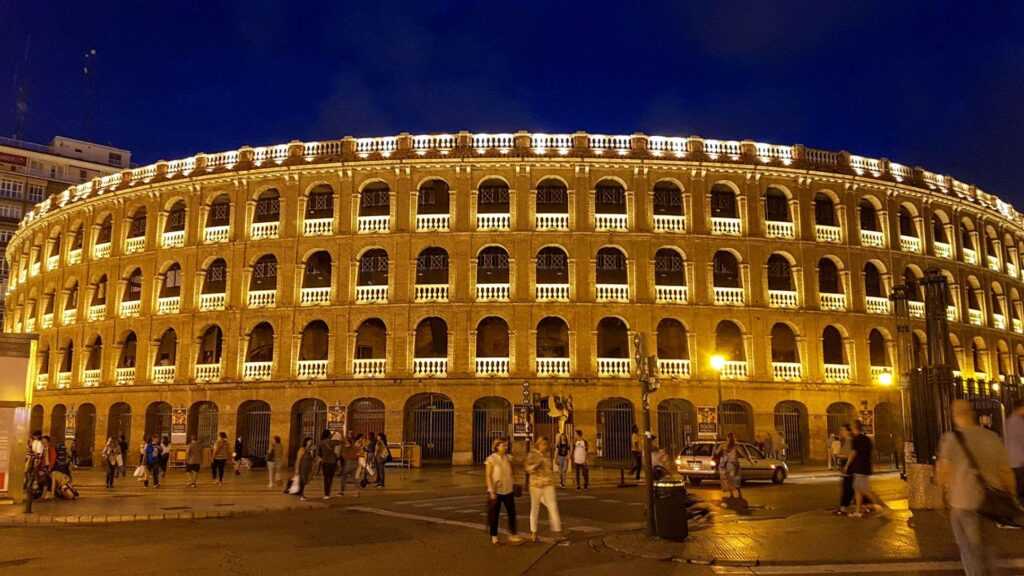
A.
pixel 373 268
pixel 877 353
pixel 105 231
pixel 268 206
pixel 979 359
pixel 907 227
pixel 726 270
pixel 784 348
pixel 776 206
pixel 492 266
pixel 137 226
pixel 433 197
pixel 320 203
pixel 612 338
pixel 672 340
pixel 220 212
pixel 264 273
pixel 55 245
pixel 552 197
pixel 68 362
pixel 668 199
pixel 95 359
pixel 669 269
pixel 780 274
pixel 133 288
pixel 609 198
pixel 552 266
pixel 432 266
pixel 824 210
pixel 176 217
pixel 317 272
pixel 210 345
pixel 939 229
pixel 552 338
pixel 873 281
pixel 71 303
pixel 431 339
pixel 868 216
pixel 261 343
pixel 723 202
pixel 313 344
pixel 375 200
pixel 832 348
pixel 493 197
pixel 77 239
pixel 129 348
pixel 215 281
pixel 167 349
pixel 611 266
pixel 966 236
pixel 492 339
pixel 172 282
pixel 729 341
pixel 371 340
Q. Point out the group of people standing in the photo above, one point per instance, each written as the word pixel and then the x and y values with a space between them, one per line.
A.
pixel 48 464
pixel 353 457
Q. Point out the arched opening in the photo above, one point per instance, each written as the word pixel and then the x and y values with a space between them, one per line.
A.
pixel 552 338
pixel 672 340
pixel 877 353
pixel 171 286
pixel 373 270
pixel 137 224
pixel 492 268
pixel 308 420
pixel 780 274
pixel 58 423
pixel 94 359
pixel 612 338
pixel 669 268
pixel 219 214
pixel 615 421
pixel 939 230
pixel 176 217
pixel 737 417
pixel 268 206
pixel 366 416
pixel 824 210
pixel 493 197
pixel 167 349
pixel 320 204
pixel 868 216
pixel 433 197
pixel 838 415
pixel 119 426
pixel 210 345
pixel 431 339
pixel 77 238
pixel 252 427
pixel 725 270
pixel 979 358
pixel 264 275
pixel 967 237
pixel 105 231
pixel 432 267
pixel 784 347
pixel 203 425
pixel 371 340
pixel 215 281
pixel 84 443
pixel 492 419
pixel 611 266
pixel 317 271
pixel 158 420
pixel 375 200
pixel 723 202
pixel 552 267
pixel 68 362
pixel 430 423
pixel 791 424
pixel 552 197
pixel 133 288
pixel 609 197
pixel 128 351
pixel 313 345
pixel 261 344
pixel 668 199
pixel 776 206
pixel 729 341
pixel 833 350
pixel 676 420
pixel 907 227
pixel 873 281
pixel 492 339
pixel 71 302
pixel 912 285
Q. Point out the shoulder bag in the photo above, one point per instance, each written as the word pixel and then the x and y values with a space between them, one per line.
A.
pixel 998 505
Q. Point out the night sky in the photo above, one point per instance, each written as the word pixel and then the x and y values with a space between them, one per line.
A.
pixel 936 84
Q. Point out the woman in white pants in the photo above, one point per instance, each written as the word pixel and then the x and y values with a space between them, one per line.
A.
pixel 542 487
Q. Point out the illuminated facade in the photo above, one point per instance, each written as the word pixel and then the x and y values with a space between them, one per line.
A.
pixel 419 281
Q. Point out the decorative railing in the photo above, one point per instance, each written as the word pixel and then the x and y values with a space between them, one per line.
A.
pixel 431 292
pixel 614 367
pixel 492 366
pixel 493 221
pixel 998 321
pixel 500 142
pixel 262 298
pixel 551 221
pixel 208 372
pixel 872 239
pixel 671 294
pixel 130 308
pixel 599 143
pixel 786 371
pixel 74 256
pixel 728 296
pixel 318 226
pixel 34 269
pixel 216 234
pixel 669 223
pixel 315 296
pixel 610 222
pixel 443 143
pixel 430 366
pixel 371 224
pixel 42 381
pixel 975 317
pixel 970 256
pixel 432 222
pixel 830 301
pixel 775 229
pixel 91 377
pixel 552 292
pixel 825 233
pixel 52 262
pixel 915 308
pixel 63 380
pixel 877 304
pixel 943 250
pixel 768 153
pixel 552 366
pixel 214 301
pixel 371 294
pixel 877 371
pixel 541 143
pixel 725 226
pixel 368 367
pixel 673 368
pixel 46 321
pixel 862 165
pixel 716 149
pixel 492 292
pixel 993 263
pixel 384 146
pixel 174 239
pixel 952 313
pixel 168 305
pixel 612 292
pixel 910 244
pixel 69 316
pixel 837 372
pixel 663 145
pixel 257 370
pixel 264 230
pixel 164 374
pixel 1018 326
pixel 782 298
pixel 124 376
pixel 311 369
pixel 734 370
pixel 135 244
pixel 101 250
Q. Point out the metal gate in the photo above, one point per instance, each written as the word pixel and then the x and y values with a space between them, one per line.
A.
pixel 119 423
pixel 615 422
pixel 366 415
pixel 309 420
pixel 736 419
pixel 254 427
pixel 203 423
pixel 158 420
pixel 430 423
pixel 491 420
pixel 789 424
pixel 839 415
pixel 675 425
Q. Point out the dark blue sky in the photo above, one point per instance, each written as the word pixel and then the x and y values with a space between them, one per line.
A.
pixel 937 84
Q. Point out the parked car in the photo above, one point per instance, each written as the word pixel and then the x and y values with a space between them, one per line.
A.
pixel 695 462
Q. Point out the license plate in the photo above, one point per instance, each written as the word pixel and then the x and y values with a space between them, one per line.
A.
pixel 694 465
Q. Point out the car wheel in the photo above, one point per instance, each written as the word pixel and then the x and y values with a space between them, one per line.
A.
pixel 779 476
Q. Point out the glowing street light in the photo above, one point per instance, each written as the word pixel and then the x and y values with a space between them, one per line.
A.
pixel 885 379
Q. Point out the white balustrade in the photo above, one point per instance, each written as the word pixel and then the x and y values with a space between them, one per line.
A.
pixel 264 230
pixel 916 308
pixel 502 142
pixel 47 321
pixel 877 371
pixel 63 380
pixel 493 221
pixel 614 367
pixel 663 145
pixel 492 366
pixel 728 296
pixel 669 223
pixel 993 263
pixel 101 250
pixel 943 250
pixel 600 142
pixel 837 372
pixel 168 305
pixel 872 239
pixel 430 366
pixel 74 256
pixel 91 378
pixel 164 374
pixel 541 143
pixel 371 224
pixel 42 381
pixel 734 370
pixel 1018 326
pixel 725 226
pixel 53 262
pixel 1011 269
pixel 492 292
pixel 673 368
pixel 216 234
pixel 422 143
pixel 552 292
pixel 135 244
pixel 671 294
pixel 775 229
pixel 124 376
pixel 432 222
pixel 910 244
pixel 782 298
pixel 174 239
pixel 311 369
pixel 786 371
pixel 215 301
pixel 367 367
pixel 384 145
pixel 257 370
pixel 431 292
pixel 877 305
pixel 610 222
pixel 970 256
pixel 552 366
pixel 208 372
pixel 371 294
pixel 314 296
pixel 69 317
pixel 825 233
pixel 551 221
pixel 999 321
pixel 30 326
pixel 612 292
pixel 318 226
pixel 34 269
pixel 952 313
pixel 262 298
pixel 975 317
pixel 130 308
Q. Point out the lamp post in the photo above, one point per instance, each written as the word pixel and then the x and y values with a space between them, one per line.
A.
pixel 718 363
pixel 885 379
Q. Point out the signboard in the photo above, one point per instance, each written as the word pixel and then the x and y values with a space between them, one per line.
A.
pixel 69 425
pixel 521 421
pixel 336 415
pixel 867 422
pixel 707 423
pixel 179 420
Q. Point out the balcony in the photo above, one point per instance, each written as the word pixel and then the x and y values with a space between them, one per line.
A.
pixel 432 222
pixel 1018 326
pixel 214 301
pixel 53 262
pixel 30 325
pixel 952 314
pixel 216 234
pixel 173 239
pixel 97 312
pixel 999 321
pixel 69 316
pixel 552 292
pixel 877 371
pixel 91 378
pixel 207 372
pixel 135 244
pixel 782 298
pixel 673 368
pixel 74 256
pixel 369 367
pixel 775 229
pixel 611 223
pixel 130 308
pixel 613 367
pixel 430 366
pixel 164 374
pixel 669 223
pixel 916 308
pixel 993 263
pixel 837 372
pixel 943 250
pixel 725 226
pixel 315 296
pixel 42 381
pixel 318 226
pixel 493 221
pixel 671 294
pixel 910 244
pixel 872 239
pixel 34 269
pixel 728 296
pixel 734 370
pixel 492 366
pixel 257 370
pixel 371 294
pixel 970 256
pixel 877 305
pixel 786 371
pixel 492 292
pixel 551 221
pixel 552 366
pixel 612 292
pixel 262 298
pixel 47 321
pixel 63 380
pixel 1011 269
pixel 975 317
pixel 311 369
pixel 371 224
pixel 264 230
pixel 825 233
pixel 168 305
pixel 431 292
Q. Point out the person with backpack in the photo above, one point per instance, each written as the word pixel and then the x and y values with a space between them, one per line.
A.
pixel 580 455
pixel 152 456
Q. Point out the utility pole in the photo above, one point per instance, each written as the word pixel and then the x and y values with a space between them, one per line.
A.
pixel 646 367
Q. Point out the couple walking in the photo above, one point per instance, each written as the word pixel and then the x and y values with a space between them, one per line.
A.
pixel 502 489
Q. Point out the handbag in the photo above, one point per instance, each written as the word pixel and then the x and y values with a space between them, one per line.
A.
pixel 140 472
pixel 998 505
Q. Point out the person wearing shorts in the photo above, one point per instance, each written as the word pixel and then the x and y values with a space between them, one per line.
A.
pixel 193 459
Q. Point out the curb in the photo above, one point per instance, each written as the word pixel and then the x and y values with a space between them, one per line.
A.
pixel 50 519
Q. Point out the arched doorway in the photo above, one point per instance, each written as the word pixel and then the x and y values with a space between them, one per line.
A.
pixel 737 418
pixel 676 421
pixel 615 422
pixel 36 420
pixel 253 426
pixel 309 419
pixel 119 422
pixel 158 420
pixel 85 434
pixel 203 423
pixel 888 432
pixel 492 417
pixel 366 415
pixel 838 415
pixel 791 424
pixel 58 423
pixel 430 423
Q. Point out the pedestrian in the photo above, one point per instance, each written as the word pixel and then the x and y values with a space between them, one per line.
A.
pixel 329 460
pixel 165 455
pixel 112 459
pixel 61 463
pixel 845 441
pixel 542 487
pixel 237 455
pixel 275 452
pixel 152 454
pixel 1015 445
pixel 562 449
pixel 638 456
pixel 971 457
pixel 500 490
pixel 351 451
pixel 221 453
pixel 193 460
pixel 304 460
pixel 123 442
pixel 859 465
pixel 769 445
pixel 728 460
pixel 580 455
pixel 383 457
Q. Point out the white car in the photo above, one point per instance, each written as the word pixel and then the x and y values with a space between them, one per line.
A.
pixel 696 463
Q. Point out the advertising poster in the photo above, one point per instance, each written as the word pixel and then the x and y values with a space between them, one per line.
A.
pixel 867 420
pixel 179 420
pixel 707 423
pixel 336 418
pixel 69 426
pixel 521 421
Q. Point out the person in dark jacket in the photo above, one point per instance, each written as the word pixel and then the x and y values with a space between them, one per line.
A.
pixel 328 459
pixel 238 455
pixel 151 453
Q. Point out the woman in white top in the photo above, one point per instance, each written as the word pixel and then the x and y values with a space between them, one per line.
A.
pixel 500 489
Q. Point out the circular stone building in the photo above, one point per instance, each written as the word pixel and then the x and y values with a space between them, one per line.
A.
pixel 417 284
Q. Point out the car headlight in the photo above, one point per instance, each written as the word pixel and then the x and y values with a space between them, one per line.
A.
pixel 679 461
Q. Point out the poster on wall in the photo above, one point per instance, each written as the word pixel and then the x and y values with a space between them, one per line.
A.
pixel 521 421
pixel 69 426
pixel 707 423
pixel 336 418
pixel 867 421
pixel 179 420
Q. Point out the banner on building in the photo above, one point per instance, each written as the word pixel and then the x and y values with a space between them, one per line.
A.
pixel 707 422
pixel 521 421
pixel 69 426
pixel 179 421
pixel 336 418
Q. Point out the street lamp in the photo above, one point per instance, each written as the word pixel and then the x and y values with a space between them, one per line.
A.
pixel 885 379
pixel 718 364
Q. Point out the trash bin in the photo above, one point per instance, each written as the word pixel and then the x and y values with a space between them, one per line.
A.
pixel 670 510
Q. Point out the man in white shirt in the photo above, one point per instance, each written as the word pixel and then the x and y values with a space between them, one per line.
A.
pixel 579 460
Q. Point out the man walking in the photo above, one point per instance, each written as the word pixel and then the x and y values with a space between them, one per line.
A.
pixel 967 455
pixel 152 455
pixel 579 460
pixel 860 466
pixel 329 460
pixel 1015 445
pixel 638 456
